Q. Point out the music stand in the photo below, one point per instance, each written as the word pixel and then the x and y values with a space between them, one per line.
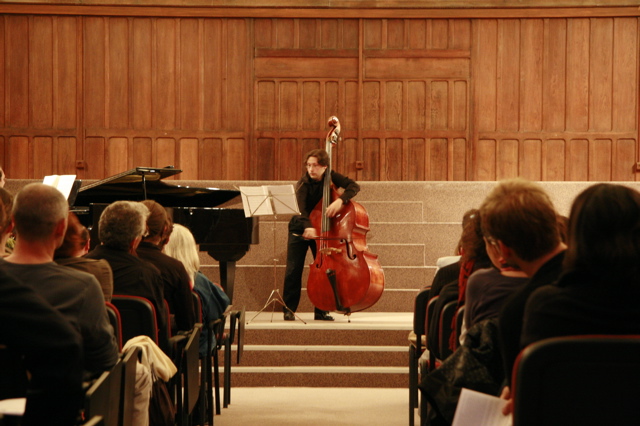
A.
pixel 270 200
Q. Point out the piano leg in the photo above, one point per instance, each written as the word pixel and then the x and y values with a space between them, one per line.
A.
pixel 228 276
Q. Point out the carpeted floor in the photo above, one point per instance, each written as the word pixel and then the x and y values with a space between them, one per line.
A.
pixel 316 406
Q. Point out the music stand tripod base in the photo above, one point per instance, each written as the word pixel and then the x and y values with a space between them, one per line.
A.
pixel 274 298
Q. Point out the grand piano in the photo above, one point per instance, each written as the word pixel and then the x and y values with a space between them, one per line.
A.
pixel 224 233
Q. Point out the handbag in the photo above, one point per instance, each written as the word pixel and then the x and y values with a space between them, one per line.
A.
pixel 162 410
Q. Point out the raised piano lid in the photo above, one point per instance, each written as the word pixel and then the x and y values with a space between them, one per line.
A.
pixel 146 183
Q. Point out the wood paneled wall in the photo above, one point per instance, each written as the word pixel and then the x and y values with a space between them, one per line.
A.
pixel 242 98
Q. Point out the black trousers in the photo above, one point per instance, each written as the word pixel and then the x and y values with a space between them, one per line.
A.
pixel 296 254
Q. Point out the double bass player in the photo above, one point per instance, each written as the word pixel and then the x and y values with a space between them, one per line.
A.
pixel 302 234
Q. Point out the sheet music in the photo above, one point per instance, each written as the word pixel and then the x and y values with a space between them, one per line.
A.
pixel 62 183
pixel 269 200
pixel 284 199
pixel 255 200
pixel 480 409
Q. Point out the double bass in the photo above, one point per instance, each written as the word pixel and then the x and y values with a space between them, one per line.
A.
pixel 345 276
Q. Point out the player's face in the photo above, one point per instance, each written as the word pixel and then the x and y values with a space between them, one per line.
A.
pixel 314 169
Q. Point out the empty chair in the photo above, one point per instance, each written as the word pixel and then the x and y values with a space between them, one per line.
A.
pixel 578 380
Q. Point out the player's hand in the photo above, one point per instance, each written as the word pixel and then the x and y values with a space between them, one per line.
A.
pixel 334 208
pixel 309 233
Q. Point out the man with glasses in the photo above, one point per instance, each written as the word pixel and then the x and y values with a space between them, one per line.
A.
pixel 302 234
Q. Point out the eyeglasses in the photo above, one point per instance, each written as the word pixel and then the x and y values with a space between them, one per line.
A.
pixel 491 240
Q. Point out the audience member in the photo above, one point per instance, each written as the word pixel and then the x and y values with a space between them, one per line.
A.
pixel 450 270
pixel 40 221
pixel 182 246
pixel 474 257
pixel 519 218
pixel 598 290
pixel 40 340
pixel 74 246
pixel 6 241
pixel 488 288
pixel 176 287
pixel 121 227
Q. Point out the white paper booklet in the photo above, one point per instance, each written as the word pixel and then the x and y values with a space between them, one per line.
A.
pixel 63 183
pixel 479 409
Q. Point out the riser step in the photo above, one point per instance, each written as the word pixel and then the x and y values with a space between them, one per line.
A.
pixel 278 355
pixel 436 238
pixel 314 369
pixel 254 293
pixel 330 337
pixel 388 377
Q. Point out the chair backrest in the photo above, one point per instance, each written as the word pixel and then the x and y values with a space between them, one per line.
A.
pixel 445 329
pixel 103 396
pixel 220 325
pixel 458 324
pixel 419 318
pixel 188 376
pixel 138 317
pixel 191 368
pixel 240 316
pixel 578 380
pixel 127 392
pixel 197 305
pixel 116 322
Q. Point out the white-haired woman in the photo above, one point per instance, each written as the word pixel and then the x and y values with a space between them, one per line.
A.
pixel 182 246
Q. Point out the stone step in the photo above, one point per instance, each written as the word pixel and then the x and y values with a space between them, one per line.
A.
pixel 360 329
pixel 303 376
pixel 366 350
pixel 324 355
pixel 395 243
pixel 396 277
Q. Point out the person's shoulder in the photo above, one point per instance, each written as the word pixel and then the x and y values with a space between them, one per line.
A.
pixel 172 261
pixel 549 293
pixel 146 266
pixel 484 272
pixel 72 273
pixel 482 277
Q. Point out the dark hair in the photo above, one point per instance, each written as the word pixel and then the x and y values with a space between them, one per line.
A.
pixel 471 240
pixel 75 238
pixel 521 215
pixel 604 232
pixel 320 154
pixel 158 222
pixel 563 226
pixel 5 212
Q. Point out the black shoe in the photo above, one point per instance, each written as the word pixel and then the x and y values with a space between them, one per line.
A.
pixel 323 316
pixel 289 316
